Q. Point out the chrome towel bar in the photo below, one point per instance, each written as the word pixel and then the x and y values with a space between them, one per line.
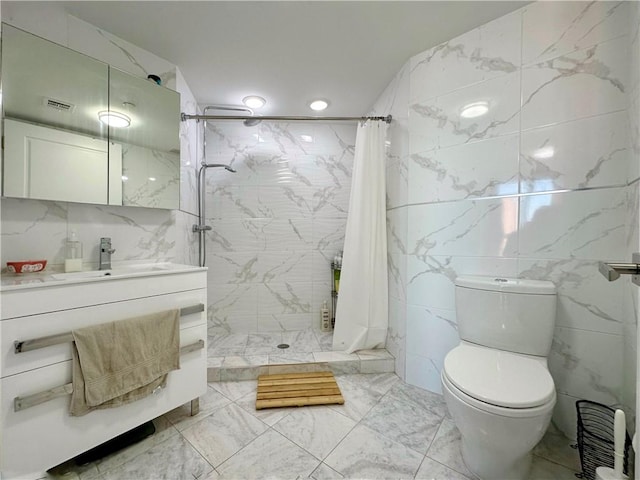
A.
pixel 20 346
pixel 612 271
pixel 22 403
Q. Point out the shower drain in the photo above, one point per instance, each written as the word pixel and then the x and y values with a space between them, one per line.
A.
pixel 283 346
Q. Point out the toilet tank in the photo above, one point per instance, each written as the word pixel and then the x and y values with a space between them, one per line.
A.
pixel 510 314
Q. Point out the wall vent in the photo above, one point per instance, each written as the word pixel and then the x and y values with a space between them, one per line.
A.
pixel 59 105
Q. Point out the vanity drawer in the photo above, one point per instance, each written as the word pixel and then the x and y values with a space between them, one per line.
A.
pixel 45 324
pixel 64 296
pixel 45 435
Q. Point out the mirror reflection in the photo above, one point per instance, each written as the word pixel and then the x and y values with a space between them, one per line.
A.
pixel 78 130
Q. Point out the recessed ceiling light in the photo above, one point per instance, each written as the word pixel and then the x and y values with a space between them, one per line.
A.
pixel 318 105
pixel 152 179
pixel 124 178
pixel 114 119
pixel 475 109
pixel 254 101
pixel 306 138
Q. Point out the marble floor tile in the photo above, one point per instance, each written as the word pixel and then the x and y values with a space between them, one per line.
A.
pixel 226 344
pixel 301 341
pixel 325 472
pixel 445 448
pixel 270 416
pixel 555 447
pixel 542 469
pixel 239 361
pixel 379 382
pixel 377 354
pixel 235 390
pixel 286 357
pixel 406 423
pixel 269 456
pixel 366 454
pixel 211 401
pixel 318 429
pixel 359 399
pixel 263 343
pixel 325 340
pixel 224 432
pixel 171 460
pixel 432 470
pixel 419 397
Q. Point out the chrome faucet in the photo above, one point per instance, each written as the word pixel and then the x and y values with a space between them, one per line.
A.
pixel 105 253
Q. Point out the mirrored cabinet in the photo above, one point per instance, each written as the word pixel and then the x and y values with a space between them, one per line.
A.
pixel 78 130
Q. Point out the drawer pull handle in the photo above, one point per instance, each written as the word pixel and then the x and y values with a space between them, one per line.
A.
pixel 22 403
pixel 20 346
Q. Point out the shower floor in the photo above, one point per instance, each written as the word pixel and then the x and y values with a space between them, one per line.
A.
pixel 244 356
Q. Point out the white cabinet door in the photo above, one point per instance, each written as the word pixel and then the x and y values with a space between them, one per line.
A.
pixel 50 164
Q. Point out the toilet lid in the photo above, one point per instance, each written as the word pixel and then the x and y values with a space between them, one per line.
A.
pixel 497 377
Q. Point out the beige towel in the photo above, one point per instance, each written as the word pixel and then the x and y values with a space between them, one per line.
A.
pixel 120 362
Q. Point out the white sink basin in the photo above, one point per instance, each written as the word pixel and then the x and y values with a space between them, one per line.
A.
pixel 118 271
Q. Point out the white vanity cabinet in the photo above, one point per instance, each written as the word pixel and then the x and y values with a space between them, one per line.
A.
pixel 39 437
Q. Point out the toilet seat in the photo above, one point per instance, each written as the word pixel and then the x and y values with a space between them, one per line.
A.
pixel 498 378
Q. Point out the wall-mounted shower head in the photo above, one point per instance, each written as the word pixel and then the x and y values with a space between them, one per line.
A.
pixel 249 122
pixel 218 165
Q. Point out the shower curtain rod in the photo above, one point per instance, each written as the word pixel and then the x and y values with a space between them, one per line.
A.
pixel 185 116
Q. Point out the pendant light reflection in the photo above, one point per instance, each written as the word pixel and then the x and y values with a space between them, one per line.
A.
pixel 114 119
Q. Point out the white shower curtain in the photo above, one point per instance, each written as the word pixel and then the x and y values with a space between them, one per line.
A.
pixel 361 312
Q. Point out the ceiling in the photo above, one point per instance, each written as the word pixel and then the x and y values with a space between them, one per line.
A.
pixel 288 52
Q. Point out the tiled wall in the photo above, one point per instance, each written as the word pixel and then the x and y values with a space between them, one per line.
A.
pixel 395 100
pixel 277 222
pixel 539 187
pixel 38 229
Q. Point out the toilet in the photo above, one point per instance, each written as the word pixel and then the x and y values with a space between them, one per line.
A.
pixel 496 382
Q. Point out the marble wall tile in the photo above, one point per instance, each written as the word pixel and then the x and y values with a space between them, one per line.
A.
pixel 585 299
pixel 423 372
pixel 397 230
pixel 34 229
pixel 555 90
pixel 396 335
pixel 481 169
pixel 54 29
pixel 431 333
pixel 436 123
pixel 489 51
pixel 97 43
pixel 190 149
pixel 279 221
pixel 587 364
pixel 582 224
pixel 136 233
pixel 486 227
pixel 558 28
pixel 591 152
pixel 397 272
pixel 431 279
pixel 283 298
pixel 397 181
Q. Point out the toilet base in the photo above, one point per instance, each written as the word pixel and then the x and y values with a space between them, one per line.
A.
pixel 487 464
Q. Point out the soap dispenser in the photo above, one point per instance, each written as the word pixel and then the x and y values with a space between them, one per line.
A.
pixel 73 254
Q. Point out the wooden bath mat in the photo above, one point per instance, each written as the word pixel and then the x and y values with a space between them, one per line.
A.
pixel 297 390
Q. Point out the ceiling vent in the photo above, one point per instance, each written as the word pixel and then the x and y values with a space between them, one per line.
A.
pixel 58 105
